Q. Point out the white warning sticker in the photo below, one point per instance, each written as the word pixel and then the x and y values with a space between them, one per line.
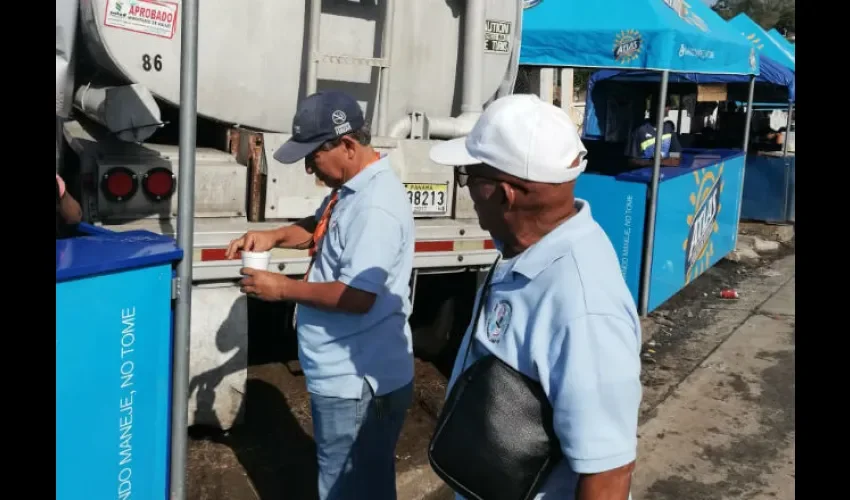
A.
pixel 142 16
pixel 497 36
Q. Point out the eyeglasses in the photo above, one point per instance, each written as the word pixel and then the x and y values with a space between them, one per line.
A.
pixel 464 178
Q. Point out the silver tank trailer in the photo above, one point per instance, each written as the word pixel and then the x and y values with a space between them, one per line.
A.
pixel 252 68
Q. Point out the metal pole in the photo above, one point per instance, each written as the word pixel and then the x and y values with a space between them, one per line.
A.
pixel 787 129
pixel 748 121
pixel 679 113
pixel 649 240
pixel 747 125
pixel 384 71
pixel 567 89
pixel 185 233
pixel 313 47
pixel 474 18
pixel 547 85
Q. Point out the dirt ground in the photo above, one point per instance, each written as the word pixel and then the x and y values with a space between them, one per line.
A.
pixel 271 455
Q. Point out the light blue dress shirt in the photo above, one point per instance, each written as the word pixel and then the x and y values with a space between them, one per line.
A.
pixel 368 246
pixel 560 313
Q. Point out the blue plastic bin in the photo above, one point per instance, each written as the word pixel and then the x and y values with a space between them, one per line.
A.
pixel 113 364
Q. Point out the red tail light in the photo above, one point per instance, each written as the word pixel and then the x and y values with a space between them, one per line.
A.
pixel 119 184
pixel 158 184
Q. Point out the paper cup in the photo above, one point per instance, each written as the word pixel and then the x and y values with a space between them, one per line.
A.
pixel 256 260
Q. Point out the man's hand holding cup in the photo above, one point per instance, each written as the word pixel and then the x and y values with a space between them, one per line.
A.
pixel 252 241
pixel 258 282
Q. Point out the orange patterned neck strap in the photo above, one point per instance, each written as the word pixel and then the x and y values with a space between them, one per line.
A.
pixel 322 225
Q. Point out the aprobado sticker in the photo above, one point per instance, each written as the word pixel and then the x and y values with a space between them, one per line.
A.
pixel 147 17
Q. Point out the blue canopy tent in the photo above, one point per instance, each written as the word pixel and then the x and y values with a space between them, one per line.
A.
pixel 769 188
pixel 762 41
pixel 790 47
pixel 771 48
pixel 670 36
pixel 768 191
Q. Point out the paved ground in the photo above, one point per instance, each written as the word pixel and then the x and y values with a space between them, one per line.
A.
pixel 717 420
pixel 726 431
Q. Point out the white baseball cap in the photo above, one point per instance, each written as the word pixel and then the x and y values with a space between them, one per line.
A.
pixel 522 136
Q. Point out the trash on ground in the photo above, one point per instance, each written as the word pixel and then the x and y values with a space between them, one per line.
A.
pixel 729 293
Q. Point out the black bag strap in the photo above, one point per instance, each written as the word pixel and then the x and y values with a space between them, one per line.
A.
pixel 482 303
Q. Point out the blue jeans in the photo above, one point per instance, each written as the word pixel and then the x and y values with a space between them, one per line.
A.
pixel 355 443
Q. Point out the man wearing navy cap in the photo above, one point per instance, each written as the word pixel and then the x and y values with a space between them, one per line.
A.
pixel 354 340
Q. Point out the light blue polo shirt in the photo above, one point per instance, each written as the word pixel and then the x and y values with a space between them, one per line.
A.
pixel 368 246
pixel 560 313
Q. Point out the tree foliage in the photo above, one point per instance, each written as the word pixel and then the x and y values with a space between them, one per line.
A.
pixel 779 14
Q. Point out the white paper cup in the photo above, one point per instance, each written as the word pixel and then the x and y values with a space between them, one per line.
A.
pixel 256 260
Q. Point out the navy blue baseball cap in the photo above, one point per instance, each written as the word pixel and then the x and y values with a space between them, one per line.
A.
pixel 320 117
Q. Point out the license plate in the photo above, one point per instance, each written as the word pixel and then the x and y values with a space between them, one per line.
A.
pixel 428 199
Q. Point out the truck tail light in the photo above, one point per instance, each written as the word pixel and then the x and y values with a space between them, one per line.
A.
pixel 119 184
pixel 158 184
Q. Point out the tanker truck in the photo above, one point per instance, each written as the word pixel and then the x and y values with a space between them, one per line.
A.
pixel 422 71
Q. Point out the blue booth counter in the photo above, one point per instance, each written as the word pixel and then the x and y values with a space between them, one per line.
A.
pixel 769 188
pixel 696 218
pixel 113 364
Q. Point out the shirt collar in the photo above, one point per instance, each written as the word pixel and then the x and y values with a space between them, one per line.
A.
pixel 536 258
pixel 363 177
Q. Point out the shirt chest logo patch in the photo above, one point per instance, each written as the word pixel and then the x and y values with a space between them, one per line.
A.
pixel 498 321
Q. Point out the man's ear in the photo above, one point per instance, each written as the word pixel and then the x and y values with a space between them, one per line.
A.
pixel 508 194
pixel 350 146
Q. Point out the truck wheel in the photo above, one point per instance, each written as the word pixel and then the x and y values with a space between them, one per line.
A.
pixel 440 315
pixel 430 339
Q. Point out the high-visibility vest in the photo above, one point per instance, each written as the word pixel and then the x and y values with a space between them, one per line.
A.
pixel 647 147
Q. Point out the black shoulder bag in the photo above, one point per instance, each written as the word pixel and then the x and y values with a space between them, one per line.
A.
pixel 494 438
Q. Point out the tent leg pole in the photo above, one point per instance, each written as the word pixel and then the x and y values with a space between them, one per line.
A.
pixel 787 129
pixel 185 240
pixel 679 113
pixel 747 126
pixel 749 120
pixel 649 239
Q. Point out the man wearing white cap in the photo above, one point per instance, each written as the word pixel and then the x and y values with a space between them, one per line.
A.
pixel 557 308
